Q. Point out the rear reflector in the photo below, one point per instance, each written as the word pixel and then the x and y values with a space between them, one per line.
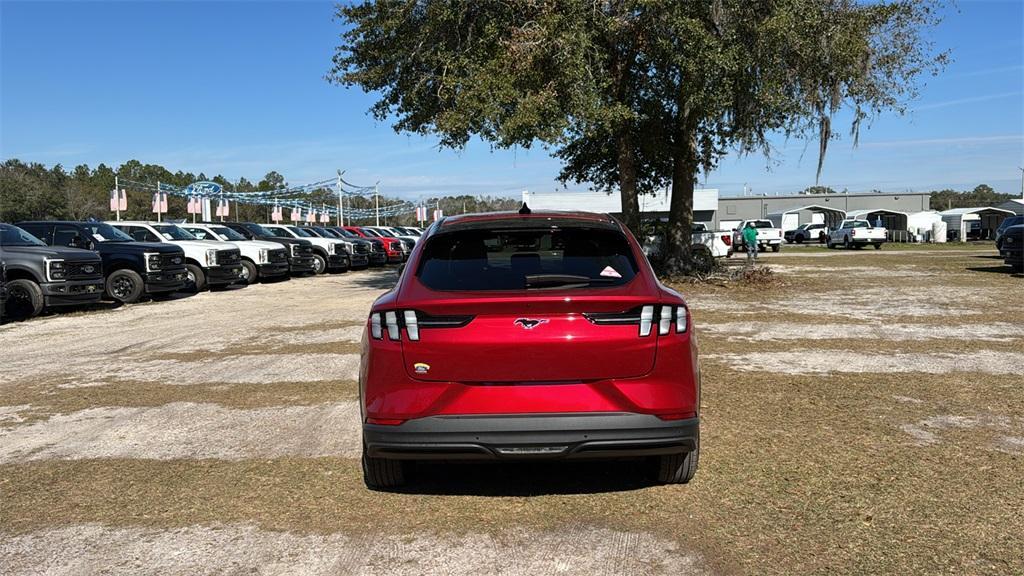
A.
pixel 681 416
pixel 384 421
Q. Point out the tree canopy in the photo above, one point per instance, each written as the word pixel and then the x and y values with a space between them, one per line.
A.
pixel 635 94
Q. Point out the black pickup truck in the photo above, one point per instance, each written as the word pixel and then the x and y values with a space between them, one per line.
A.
pixel 300 252
pixel 38 276
pixel 132 268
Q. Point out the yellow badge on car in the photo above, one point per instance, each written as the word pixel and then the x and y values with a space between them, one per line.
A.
pixel 421 367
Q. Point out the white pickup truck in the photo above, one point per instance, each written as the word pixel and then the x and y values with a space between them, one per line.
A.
pixel 856 234
pixel 767 235
pixel 207 262
pixel 717 244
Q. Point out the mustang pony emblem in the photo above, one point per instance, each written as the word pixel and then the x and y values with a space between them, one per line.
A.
pixel 529 323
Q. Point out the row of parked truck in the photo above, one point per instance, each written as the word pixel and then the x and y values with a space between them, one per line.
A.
pixel 53 264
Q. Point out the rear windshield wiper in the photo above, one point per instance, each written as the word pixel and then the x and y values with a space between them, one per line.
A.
pixel 554 280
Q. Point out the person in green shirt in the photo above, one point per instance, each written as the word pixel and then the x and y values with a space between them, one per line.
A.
pixel 750 241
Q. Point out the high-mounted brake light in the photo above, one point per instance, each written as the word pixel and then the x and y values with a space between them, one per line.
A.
pixel 412 326
pixel 646 317
pixel 391 319
pixel 681 314
pixel 375 330
pixel 665 322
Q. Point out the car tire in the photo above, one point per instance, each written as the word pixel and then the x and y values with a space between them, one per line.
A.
pixel 878 246
pixel 24 299
pixel 847 244
pixel 829 244
pixel 250 273
pixel 776 247
pixel 125 286
pixel 319 264
pixel 382 473
pixel 799 238
pixel 198 278
pixel 678 468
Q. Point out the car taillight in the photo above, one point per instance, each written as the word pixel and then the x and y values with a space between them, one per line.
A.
pixel 727 239
pixel 412 321
pixel 644 316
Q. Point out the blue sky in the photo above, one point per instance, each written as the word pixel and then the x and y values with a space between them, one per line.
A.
pixel 237 88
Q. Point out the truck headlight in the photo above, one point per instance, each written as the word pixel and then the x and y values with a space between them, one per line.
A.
pixel 152 261
pixel 264 255
pixel 211 257
pixel 295 250
pixel 55 270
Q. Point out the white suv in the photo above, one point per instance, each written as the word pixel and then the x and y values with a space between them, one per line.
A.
pixel 260 259
pixel 328 254
pixel 209 263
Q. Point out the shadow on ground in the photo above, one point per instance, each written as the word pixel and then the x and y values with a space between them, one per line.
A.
pixel 527 478
pixel 379 279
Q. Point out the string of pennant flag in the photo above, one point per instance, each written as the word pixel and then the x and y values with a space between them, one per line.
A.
pixel 202 194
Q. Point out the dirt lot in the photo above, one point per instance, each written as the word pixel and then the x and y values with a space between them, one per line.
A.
pixel 862 414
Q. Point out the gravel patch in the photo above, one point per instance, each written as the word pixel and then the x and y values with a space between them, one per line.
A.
pixel 12 414
pixel 853 271
pixel 242 549
pixel 1010 444
pixel 810 361
pixel 997 332
pixel 188 430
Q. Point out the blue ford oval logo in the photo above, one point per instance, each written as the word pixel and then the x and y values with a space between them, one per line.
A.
pixel 88 269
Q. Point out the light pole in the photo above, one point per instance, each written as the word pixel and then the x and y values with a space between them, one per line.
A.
pixel 376 202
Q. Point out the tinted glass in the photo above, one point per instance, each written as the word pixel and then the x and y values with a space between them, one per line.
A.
pixel 65 235
pixel 522 259
pixel 14 236
pixel 40 230
pixel 763 224
pixel 102 232
pixel 227 233
pixel 373 233
pixel 172 232
pixel 280 233
pixel 301 232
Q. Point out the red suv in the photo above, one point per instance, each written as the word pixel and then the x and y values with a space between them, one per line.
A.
pixel 513 336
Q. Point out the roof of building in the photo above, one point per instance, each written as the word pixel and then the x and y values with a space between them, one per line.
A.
pixel 836 195
pixel 807 207
pixel 975 210
pixel 854 214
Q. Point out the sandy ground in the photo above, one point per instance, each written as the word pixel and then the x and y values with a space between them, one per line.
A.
pixel 277 337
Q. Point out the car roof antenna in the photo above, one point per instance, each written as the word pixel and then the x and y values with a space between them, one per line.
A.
pixel 525 209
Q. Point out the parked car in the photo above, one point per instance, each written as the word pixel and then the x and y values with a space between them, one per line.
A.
pixel 856 234
pixel 523 336
pixel 207 263
pixel 1003 226
pixel 358 249
pixel 38 276
pixel 1013 247
pixel 260 259
pixel 300 251
pixel 408 242
pixel 807 233
pixel 705 244
pixel 768 236
pixel 132 269
pixel 328 254
pixel 393 247
pixel 377 255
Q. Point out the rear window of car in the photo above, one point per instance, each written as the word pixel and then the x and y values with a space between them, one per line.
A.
pixel 523 259
pixel 763 224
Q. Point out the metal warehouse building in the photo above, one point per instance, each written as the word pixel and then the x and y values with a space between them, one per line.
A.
pixel 725 213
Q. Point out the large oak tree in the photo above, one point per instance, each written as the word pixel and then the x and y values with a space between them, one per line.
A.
pixel 635 94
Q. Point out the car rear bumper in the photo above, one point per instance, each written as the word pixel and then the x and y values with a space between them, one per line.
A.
pixel 531 436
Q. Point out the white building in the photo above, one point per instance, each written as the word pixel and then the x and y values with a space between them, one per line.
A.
pixel 705 203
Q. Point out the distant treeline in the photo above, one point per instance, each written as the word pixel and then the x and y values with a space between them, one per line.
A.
pixel 31 191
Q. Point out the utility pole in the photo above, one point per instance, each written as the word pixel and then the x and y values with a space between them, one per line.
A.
pixel 117 196
pixel 376 202
pixel 159 203
pixel 1021 182
pixel 341 205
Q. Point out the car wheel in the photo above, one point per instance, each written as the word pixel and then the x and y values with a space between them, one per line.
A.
pixel 382 473
pixel 24 299
pixel 125 286
pixel 678 468
pixel 878 246
pixel 196 278
pixel 776 247
pixel 250 273
pixel 319 264
pixel 799 238
pixel 846 243
pixel 829 244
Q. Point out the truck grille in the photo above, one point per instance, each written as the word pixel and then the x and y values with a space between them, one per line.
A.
pixel 228 257
pixel 84 270
pixel 378 247
pixel 278 255
pixel 360 248
pixel 171 261
pixel 305 249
